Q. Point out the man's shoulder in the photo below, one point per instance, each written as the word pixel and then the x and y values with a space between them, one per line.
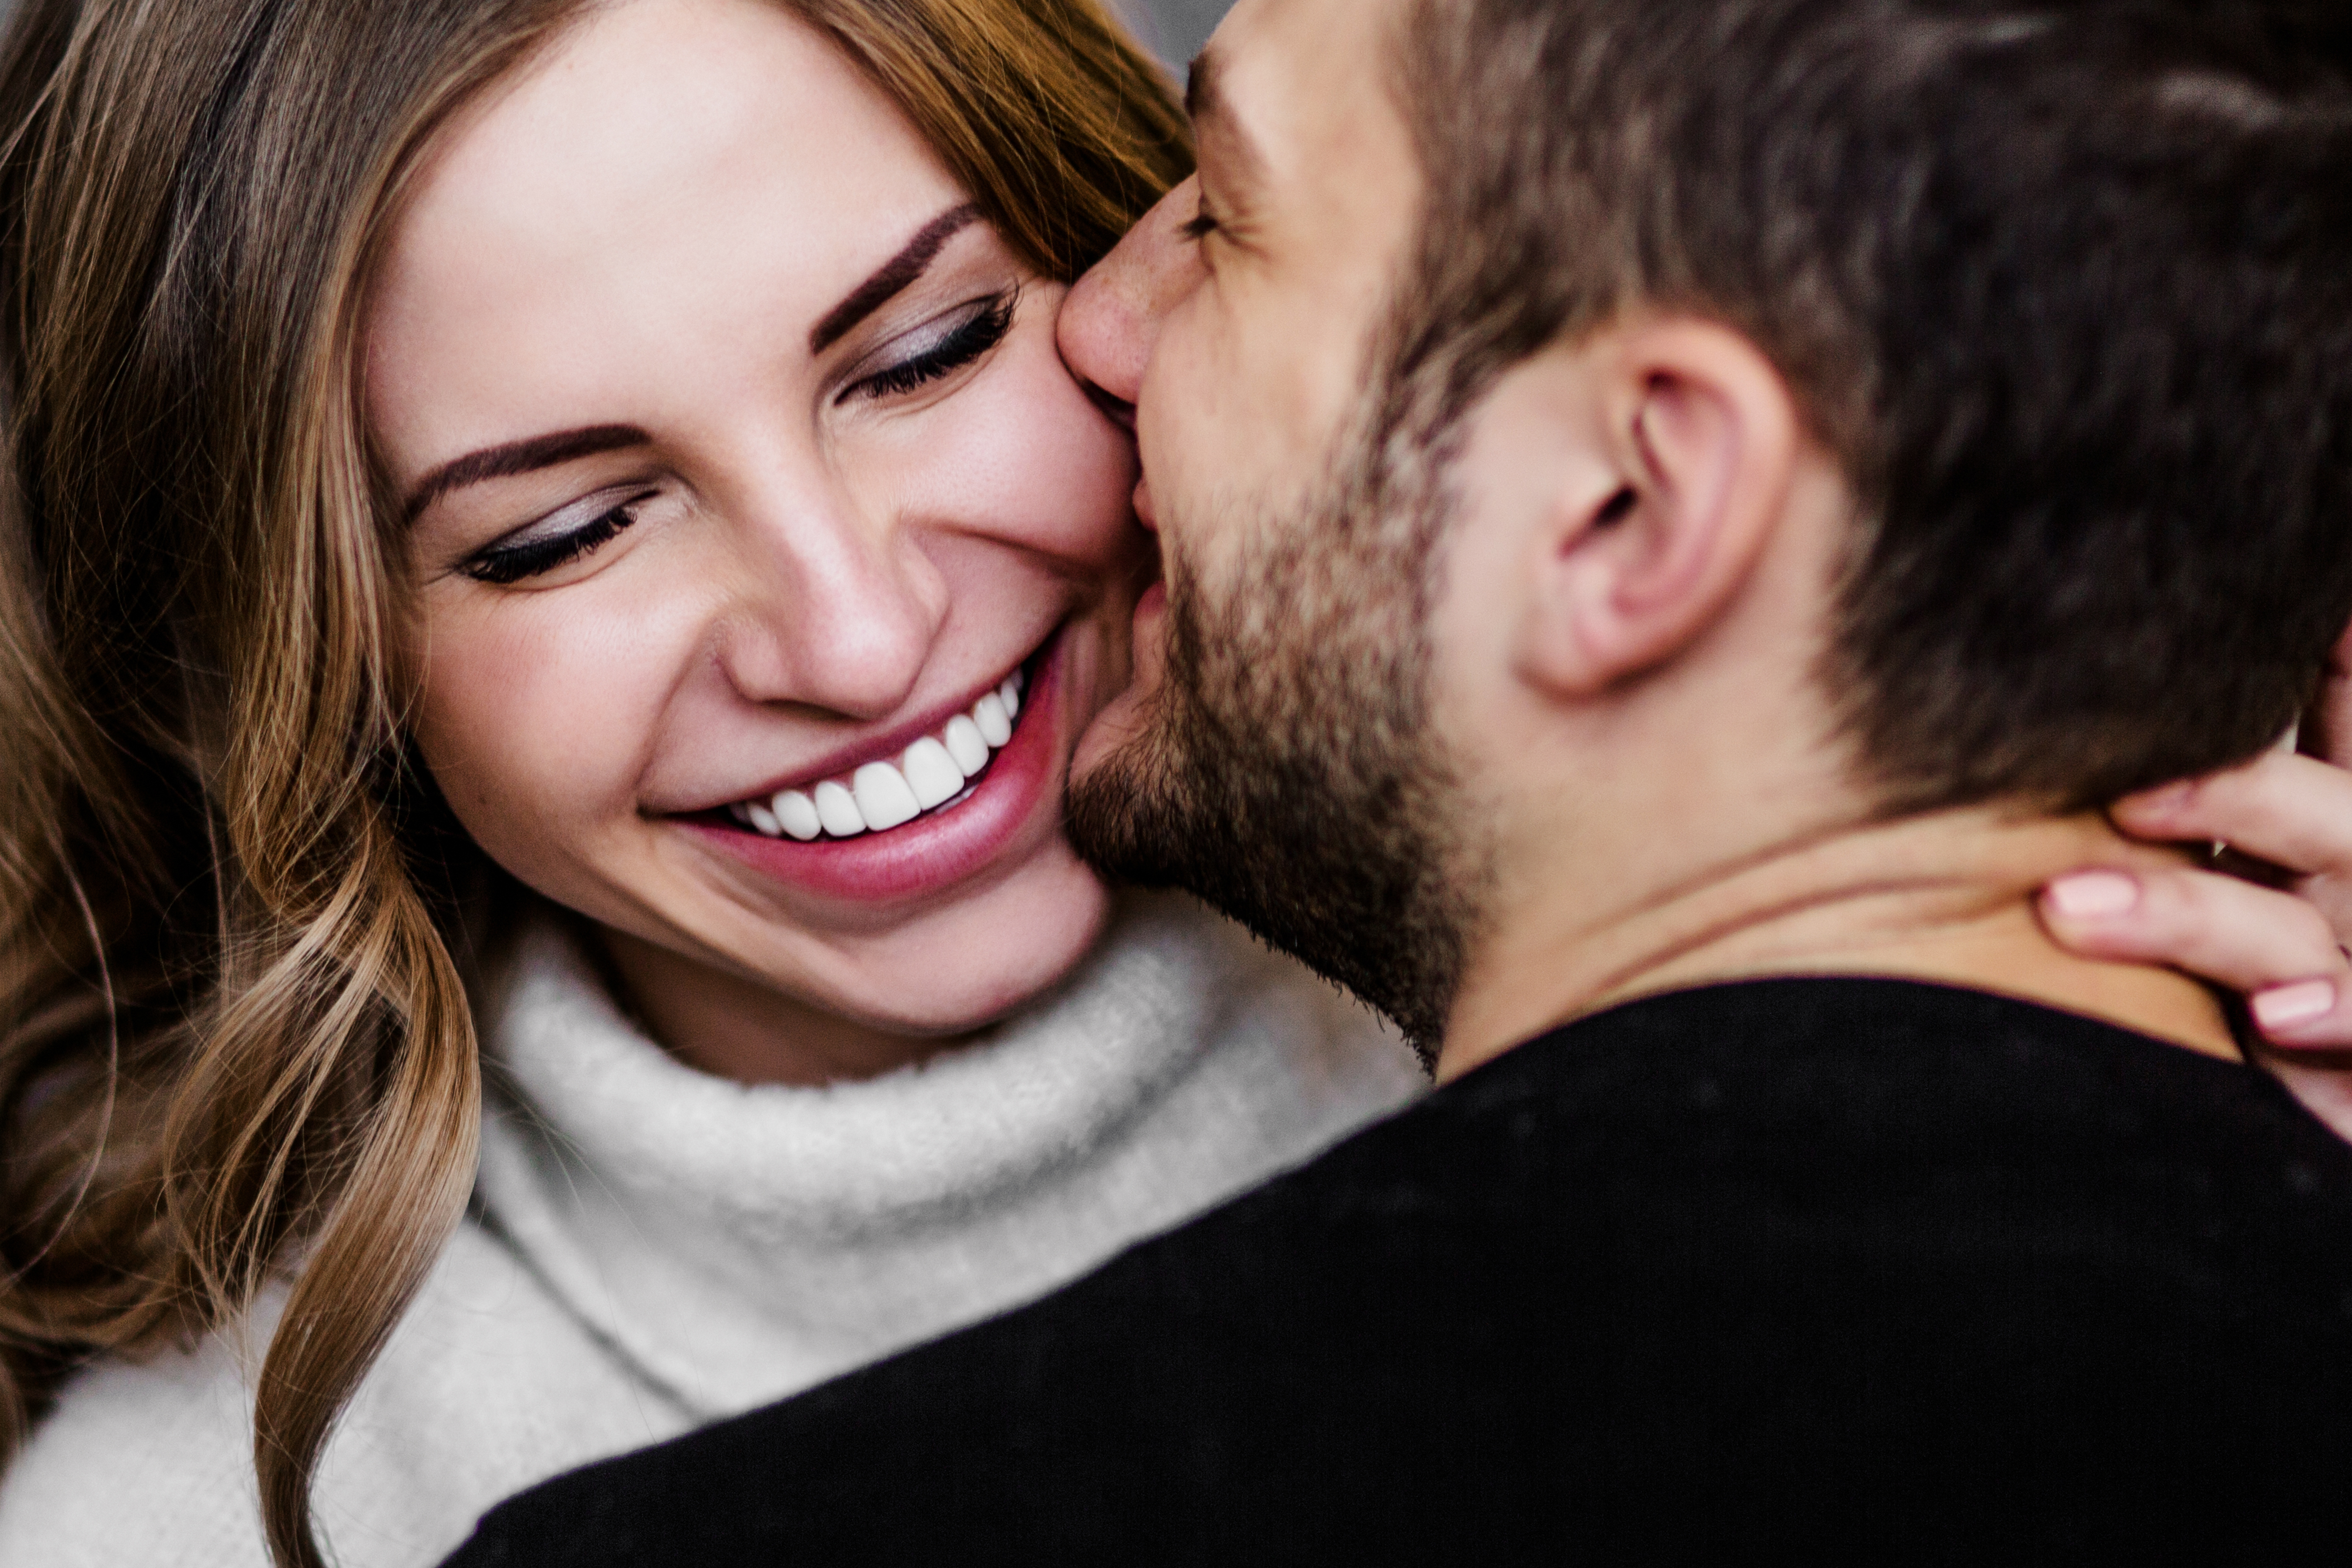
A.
pixel 1826 1071
pixel 1815 1240
pixel 1845 1098
pixel 1952 1138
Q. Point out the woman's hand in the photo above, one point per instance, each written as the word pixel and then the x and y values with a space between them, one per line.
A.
pixel 2282 947
pixel 2279 948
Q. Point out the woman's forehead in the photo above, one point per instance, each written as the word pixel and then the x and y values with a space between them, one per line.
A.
pixel 676 178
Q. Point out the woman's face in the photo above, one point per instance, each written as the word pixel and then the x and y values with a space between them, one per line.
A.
pixel 743 477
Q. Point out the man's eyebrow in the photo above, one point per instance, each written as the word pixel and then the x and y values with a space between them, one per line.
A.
pixel 1202 99
pixel 520 457
pixel 896 275
pixel 1213 116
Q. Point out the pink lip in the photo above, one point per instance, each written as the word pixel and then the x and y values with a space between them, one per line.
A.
pixel 931 853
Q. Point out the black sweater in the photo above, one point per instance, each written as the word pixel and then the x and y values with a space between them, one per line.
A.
pixel 1800 1266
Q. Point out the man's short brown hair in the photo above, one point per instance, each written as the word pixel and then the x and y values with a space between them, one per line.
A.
pixel 2066 288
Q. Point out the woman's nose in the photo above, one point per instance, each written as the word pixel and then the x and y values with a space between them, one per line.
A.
pixel 839 613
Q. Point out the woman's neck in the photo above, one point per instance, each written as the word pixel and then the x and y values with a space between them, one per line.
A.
pixel 732 1027
pixel 1947 897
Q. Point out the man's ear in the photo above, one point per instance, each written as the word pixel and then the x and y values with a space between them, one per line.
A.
pixel 1696 438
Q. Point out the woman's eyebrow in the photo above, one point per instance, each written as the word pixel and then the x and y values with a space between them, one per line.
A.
pixel 895 276
pixel 520 457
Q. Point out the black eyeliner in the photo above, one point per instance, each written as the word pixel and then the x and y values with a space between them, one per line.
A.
pixel 975 336
pixel 503 565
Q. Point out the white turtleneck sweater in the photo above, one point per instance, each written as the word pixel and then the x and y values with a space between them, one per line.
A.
pixel 651 1248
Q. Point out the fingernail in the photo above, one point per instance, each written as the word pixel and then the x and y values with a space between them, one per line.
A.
pixel 2093 895
pixel 2165 802
pixel 2285 1006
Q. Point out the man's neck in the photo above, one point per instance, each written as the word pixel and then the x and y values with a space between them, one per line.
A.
pixel 1947 897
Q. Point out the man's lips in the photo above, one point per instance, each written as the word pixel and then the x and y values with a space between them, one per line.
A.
pixel 1150 654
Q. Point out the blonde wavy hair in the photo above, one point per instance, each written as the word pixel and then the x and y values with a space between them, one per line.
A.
pixel 236 1044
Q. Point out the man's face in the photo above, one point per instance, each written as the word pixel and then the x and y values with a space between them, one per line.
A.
pixel 1276 754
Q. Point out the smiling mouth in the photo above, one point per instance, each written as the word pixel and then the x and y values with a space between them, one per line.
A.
pixel 936 773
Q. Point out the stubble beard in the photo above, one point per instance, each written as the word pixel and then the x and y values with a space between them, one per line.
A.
pixel 1286 770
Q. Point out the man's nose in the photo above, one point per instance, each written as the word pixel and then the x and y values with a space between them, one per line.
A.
pixel 1111 319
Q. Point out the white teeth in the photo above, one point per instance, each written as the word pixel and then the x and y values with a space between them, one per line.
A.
pixel 967 745
pixel 995 723
pixel 883 798
pixel 798 815
pixel 932 774
pixel 836 808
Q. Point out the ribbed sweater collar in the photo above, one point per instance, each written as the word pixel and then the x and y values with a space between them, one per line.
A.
pixel 738 1243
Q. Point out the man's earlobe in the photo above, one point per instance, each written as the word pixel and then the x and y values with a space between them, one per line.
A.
pixel 1697 437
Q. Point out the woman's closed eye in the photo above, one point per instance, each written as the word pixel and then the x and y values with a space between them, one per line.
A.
pixel 555 541
pixel 930 354
pixel 938 352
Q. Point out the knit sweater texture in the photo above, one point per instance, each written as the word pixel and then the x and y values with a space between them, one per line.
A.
pixel 651 1248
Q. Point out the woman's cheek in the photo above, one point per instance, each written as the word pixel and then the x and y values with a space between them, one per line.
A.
pixel 1026 457
pixel 531 721
pixel 1087 464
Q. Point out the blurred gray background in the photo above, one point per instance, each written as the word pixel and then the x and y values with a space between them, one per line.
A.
pixel 1175 28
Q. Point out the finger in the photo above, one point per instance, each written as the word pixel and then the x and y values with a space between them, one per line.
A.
pixel 2271 948
pixel 2294 811
pixel 2328 727
pixel 2326 1091
pixel 2246 938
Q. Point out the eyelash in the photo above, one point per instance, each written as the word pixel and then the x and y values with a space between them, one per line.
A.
pixel 959 348
pixel 504 564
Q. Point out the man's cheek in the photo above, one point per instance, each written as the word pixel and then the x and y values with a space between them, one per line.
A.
pixel 1203 390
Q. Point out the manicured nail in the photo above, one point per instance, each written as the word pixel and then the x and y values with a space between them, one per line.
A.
pixel 2093 895
pixel 2165 802
pixel 2285 1006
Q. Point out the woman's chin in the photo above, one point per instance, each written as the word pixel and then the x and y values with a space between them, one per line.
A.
pixel 967 967
pixel 740 997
